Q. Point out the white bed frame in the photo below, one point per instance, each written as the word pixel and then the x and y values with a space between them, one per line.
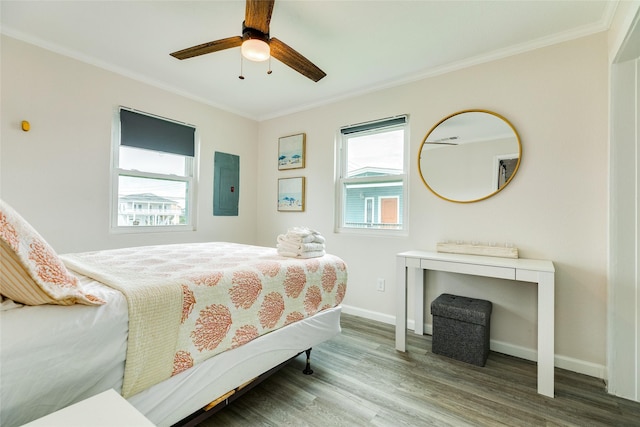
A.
pixel 182 395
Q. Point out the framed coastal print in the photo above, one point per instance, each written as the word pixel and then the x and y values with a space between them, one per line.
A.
pixel 291 152
pixel 291 194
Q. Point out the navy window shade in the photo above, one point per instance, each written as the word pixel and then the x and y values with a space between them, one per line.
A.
pixel 392 121
pixel 152 133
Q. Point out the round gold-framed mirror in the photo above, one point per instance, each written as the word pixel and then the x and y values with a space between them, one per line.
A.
pixel 469 156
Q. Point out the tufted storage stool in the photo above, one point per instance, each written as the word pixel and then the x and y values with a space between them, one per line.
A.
pixel 461 328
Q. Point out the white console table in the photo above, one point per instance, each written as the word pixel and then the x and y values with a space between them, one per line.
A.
pixel 540 272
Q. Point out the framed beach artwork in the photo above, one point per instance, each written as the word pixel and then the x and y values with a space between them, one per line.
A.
pixel 291 194
pixel 291 151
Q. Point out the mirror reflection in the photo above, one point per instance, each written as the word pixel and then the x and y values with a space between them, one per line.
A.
pixel 469 156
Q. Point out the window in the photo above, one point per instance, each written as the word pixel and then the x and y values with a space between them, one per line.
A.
pixel 153 173
pixel 372 181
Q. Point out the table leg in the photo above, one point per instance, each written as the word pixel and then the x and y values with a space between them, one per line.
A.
pixel 546 328
pixel 418 314
pixel 401 304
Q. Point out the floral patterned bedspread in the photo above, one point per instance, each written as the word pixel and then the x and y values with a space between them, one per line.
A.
pixel 189 302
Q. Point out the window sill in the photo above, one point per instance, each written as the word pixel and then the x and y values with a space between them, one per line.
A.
pixel 372 232
pixel 134 229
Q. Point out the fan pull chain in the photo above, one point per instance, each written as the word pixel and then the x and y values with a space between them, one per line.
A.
pixel 241 76
pixel 269 70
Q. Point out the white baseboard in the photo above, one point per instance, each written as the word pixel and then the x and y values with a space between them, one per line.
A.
pixel 582 367
pixel 562 362
pixel 372 315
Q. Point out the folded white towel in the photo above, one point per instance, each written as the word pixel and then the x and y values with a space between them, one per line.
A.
pixel 301 231
pixel 311 247
pixel 313 254
pixel 302 236
pixel 300 247
pixel 296 238
pixel 288 246
pixel 304 239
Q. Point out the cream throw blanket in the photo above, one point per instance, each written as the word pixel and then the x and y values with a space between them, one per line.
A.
pixel 188 302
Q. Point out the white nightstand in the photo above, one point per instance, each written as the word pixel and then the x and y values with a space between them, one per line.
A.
pixel 107 409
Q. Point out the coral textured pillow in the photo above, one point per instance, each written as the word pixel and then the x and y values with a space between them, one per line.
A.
pixel 32 273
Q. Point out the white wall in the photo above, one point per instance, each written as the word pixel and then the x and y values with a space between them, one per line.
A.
pixel 57 175
pixel 555 208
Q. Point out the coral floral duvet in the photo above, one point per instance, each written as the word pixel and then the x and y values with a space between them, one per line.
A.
pixel 188 302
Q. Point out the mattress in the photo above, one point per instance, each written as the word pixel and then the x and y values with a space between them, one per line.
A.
pixel 84 349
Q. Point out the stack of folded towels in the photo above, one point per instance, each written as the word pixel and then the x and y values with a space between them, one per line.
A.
pixel 301 242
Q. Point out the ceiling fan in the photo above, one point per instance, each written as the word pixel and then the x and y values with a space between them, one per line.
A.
pixel 256 44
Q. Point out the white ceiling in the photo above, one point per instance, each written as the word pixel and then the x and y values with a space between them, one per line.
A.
pixel 361 45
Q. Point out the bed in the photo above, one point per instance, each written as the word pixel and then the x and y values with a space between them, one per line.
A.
pixel 172 327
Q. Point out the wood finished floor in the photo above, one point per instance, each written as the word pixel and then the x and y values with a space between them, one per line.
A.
pixel 361 380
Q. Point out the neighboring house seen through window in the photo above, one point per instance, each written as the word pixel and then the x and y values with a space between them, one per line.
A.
pixel 153 173
pixel 372 176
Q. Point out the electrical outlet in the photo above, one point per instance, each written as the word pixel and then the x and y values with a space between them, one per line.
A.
pixel 380 285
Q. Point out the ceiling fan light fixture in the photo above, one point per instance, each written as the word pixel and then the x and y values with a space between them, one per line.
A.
pixel 255 43
pixel 255 50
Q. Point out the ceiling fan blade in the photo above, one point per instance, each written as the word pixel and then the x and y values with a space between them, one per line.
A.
pixel 210 47
pixel 258 14
pixel 293 59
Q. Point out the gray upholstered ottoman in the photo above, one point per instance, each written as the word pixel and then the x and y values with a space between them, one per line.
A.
pixel 461 328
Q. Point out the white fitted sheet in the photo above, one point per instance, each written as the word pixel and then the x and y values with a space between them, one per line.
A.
pixel 53 356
